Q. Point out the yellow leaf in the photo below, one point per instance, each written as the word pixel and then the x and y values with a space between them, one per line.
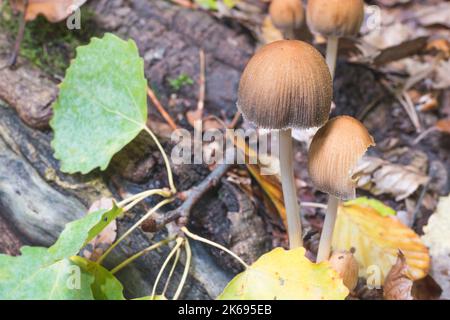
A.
pixel 377 240
pixel 53 10
pixel 286 275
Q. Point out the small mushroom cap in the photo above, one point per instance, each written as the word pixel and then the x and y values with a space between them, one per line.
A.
pixel 334 153
pixel 335 17
pixel 287 14
pixel 286 84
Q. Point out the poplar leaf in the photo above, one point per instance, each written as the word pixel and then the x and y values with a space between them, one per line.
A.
pixel 102 104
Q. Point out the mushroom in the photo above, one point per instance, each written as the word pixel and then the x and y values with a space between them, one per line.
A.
pixel 287 16
pixel 335 19
pixel 286 85
pixel 335 151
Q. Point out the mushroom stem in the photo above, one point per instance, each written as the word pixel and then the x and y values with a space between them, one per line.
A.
pixel 327 230
pixel 332 50
pixel 294 224
pixel 289 34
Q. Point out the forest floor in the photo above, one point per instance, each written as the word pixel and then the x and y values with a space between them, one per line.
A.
pixel 395 80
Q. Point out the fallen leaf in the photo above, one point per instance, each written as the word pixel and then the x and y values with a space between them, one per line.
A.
pixel 379 176
pixel 440 45
pixel 398 283
pixel 97 246
pixel 282 275
pixel 379 206
pixel 434 15
pixel 53 10
pixel 437 238
pixel 347 267
pixel 443 125
pixel 376 240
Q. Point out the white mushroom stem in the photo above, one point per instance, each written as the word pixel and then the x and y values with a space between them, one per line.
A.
pixel 291 204
pixel 327 230
pixel 332 50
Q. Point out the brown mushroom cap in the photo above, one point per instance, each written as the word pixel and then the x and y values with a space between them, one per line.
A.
pixel 335 17
pixel 334 153
pixel 286 84
pixel 287 14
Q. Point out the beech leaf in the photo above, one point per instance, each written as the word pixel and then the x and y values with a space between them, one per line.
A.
pixel 376 240
pixel 102 104
pixel 286 275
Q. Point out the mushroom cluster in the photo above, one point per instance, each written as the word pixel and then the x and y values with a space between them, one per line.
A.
pixel 288 84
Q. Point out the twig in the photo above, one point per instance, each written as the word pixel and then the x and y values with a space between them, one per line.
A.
pixel 424 134
pixel 235 120
pixel 160 108
pixel 20 33
pixel 201 82
pixel 193 196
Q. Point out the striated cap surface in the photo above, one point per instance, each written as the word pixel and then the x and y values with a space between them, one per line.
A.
pixel 286 84
pixel 334 152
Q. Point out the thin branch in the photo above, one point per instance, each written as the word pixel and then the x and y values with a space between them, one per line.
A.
pixel 161 109
pixel 192 197
pixel 20 33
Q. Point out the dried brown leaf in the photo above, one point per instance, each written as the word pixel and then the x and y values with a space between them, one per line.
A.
pixel 379 176
pixel 398 284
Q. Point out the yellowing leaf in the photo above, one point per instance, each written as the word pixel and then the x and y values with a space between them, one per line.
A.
pixel 286 275
pixel 377 239
pixel 379 206
pixel 53 10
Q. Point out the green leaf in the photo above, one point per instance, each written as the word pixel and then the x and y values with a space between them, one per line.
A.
pixel 78 233
pixel 102 104
pixel 41 273
pixel 286 275
pixel 35 275
pixel 105 286
pixel 379 206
